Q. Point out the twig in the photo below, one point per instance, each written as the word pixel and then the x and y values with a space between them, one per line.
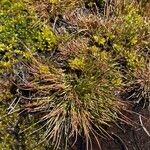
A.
pixel 55 23
pixel 120 141
pixel 142 125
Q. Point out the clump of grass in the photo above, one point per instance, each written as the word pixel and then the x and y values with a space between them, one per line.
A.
pixel 138 87
pixel 70 104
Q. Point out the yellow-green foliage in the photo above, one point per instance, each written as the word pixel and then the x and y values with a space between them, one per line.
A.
pixel 22 33
pixel 77 63
pixel 125 37
pixel 6 141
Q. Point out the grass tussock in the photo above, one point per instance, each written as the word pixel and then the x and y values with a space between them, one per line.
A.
pixel 70 104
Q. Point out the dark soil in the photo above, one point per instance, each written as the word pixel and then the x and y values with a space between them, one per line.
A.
pixel 126 137
pixel 130 138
